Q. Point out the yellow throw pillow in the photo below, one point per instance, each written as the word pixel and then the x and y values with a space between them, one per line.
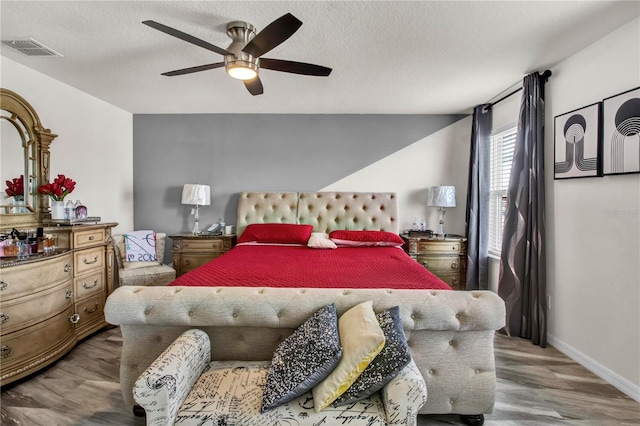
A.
pixel 362 339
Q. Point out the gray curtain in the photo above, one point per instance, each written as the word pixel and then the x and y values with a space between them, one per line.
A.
pixel 522 282
pixel 478 188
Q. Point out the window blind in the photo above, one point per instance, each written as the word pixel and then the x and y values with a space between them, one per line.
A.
pixel 502 149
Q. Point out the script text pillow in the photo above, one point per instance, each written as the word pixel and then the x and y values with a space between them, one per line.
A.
pixel 140 246
pixel 278 233
pixel 365 238
pixel 303 359
pixel 362 339
pixel 390 361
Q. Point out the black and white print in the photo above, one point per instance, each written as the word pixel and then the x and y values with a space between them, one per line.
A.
pixel 577 143
pixel 621 126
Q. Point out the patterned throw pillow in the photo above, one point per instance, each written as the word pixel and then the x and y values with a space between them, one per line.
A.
pixel 140 246
pixel 390 361
pixel 362 339
pixel 303 359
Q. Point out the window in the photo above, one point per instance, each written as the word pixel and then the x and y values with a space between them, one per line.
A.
pixel 502 149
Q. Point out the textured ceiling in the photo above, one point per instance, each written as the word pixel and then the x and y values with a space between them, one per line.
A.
pixel 388 57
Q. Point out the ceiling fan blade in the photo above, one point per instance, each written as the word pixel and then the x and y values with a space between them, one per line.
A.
pixel 194 69
pixel 254 86
pixel 272 35
pixel 294 67
pixel 186 37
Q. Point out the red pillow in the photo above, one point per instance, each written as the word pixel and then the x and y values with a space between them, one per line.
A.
pixel 281 233
pixel 366 238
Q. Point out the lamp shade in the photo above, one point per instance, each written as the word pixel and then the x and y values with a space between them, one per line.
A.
pixel 441 196
pixel 196 194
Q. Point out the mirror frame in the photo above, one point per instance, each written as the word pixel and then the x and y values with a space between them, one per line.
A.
pixel 23 112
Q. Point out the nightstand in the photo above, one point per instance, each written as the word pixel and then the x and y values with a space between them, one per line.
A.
pixel 191 251
pixel 444 257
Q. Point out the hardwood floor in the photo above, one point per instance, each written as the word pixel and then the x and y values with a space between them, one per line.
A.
pixel 535 387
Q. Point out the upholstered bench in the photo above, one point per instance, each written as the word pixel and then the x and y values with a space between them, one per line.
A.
pixel 184 386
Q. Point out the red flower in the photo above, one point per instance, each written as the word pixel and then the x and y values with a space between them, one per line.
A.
pixel 15 187
pixel 59 188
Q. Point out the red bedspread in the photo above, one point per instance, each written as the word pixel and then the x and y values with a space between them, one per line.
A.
pixel 300 266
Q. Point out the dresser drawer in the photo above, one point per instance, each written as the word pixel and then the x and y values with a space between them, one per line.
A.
pixel 438 247
pixel 440 263
pixel 88 238
pixel 25 279
pixel 25 311
pixel 89 284
pixel 89 260
pixel 90 310
pixel 203 245
pixel 26 345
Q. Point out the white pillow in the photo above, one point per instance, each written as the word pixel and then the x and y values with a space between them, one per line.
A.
pixel 362 339
pixel 140 246
pixel 321 240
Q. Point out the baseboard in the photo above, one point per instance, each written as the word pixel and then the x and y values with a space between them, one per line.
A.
pixel 624 385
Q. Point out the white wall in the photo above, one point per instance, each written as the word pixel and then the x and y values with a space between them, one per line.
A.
pixel 94 143
pixel 439 159
pixel 593 226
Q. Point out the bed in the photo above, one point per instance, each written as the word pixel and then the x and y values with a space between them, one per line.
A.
pixel 350 242
pixel 450 332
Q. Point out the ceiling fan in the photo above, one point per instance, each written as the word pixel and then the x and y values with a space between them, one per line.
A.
pixel 243 58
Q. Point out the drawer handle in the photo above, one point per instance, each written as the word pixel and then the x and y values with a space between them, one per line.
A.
pixel 5 352
pixel 425 264
pixel 3 285
pixel 187 262
pixel 67 267
pixel 454 265
pixel 74 318
pixel 68 294
pixel 91 237
pixel 87 287
pixel 95 308
pixel 88 262
pixel 3 318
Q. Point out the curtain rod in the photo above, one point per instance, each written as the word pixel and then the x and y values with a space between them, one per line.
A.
pixel 546 74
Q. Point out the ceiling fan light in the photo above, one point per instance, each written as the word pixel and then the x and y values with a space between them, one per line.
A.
pixel 242 70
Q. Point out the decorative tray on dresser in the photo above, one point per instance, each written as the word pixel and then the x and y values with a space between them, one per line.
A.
pixel 48 302
pixel 444 257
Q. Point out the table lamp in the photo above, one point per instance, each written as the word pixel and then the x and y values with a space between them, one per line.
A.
pixel 442 197
pixel 198 195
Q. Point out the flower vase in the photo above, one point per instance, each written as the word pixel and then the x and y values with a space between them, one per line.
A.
pixel 18 205
pixel 57 210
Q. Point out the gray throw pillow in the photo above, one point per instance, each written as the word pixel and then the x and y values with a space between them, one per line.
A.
pixel 303 359
pixel 394 357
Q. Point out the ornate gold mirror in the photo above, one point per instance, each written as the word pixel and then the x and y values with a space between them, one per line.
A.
pixel 24 162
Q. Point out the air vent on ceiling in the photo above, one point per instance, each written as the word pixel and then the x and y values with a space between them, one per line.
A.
pixel 30 47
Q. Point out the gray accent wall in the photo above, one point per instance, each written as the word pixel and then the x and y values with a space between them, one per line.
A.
pixel 242 152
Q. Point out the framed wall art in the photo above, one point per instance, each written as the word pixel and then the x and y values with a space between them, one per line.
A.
pixel 621 128
pixel 577 141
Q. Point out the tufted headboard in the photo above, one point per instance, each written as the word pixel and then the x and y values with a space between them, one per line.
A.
pixel 326 211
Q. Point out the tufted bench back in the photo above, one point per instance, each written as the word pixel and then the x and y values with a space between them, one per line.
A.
pixel 326 211
pixel 450 333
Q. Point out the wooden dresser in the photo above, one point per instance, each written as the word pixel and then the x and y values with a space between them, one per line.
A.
pixel 191 251
pixel 446 258
pixel 49 302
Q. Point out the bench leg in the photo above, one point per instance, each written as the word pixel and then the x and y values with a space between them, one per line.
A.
pixel 472 419
pixel 138 411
